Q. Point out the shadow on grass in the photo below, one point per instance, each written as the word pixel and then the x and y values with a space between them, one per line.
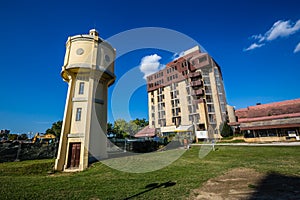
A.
pixel 153 186
pixel 277 186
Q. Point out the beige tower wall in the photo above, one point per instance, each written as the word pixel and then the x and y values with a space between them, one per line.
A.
pixel 87 60
pixel 86 57
pixel 168 106
pixel 151 125
pixel 183 103
pixel 98 123
pixel 216 102
pixel 156 109
pixel 231 113
pixel 66 126
pixel 203 114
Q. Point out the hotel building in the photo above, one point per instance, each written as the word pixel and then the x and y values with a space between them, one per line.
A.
pixel 188 96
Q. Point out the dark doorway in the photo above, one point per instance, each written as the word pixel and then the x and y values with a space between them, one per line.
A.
pixel 74 155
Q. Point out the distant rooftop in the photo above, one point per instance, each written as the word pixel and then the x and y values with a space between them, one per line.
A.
pixel 195 48
pixel 271 109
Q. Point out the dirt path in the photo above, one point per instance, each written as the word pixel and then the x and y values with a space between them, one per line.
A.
pixel 244 183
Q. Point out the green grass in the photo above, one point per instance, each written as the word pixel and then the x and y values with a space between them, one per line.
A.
pixel 30 180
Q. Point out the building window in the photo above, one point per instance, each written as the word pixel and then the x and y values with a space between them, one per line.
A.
pixel 212 118
pixel 78 114
pixel 190 109
pixel 188 91
pixel 189 100
pixel 202 59
pixel 209 99
pixel 210 108
pixel 81 88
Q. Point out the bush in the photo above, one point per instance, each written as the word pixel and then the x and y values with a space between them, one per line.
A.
pixel 226 130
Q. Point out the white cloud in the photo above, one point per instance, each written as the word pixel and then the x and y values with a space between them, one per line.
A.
pixel 253 46
pixel 279 29
pixel 257 37
pixel 150 64
pixel 282 29
pixel 297 48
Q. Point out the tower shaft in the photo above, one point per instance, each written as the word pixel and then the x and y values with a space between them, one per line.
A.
pixel 89 71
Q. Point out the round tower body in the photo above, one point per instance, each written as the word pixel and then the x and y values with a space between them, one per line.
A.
pixel 89 71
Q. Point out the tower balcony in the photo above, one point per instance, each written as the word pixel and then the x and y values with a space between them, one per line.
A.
pixel 194 74
pixel 201 100
pixel 198 92
pixel 192 68
pixel 196 83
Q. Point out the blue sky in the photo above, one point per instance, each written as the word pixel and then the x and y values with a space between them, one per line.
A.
pixel 33 36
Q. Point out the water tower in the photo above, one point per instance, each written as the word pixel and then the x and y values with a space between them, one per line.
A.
pixel 89 71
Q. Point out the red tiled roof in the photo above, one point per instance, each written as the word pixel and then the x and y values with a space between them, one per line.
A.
pixel 270 110
pixel 269 117
pixel 146 132
pixel 283 114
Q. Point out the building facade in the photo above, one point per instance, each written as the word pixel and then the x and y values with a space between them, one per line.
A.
pixel 277 121
pixel 188 96
pixel 89 71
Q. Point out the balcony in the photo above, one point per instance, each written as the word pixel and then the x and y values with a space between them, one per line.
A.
pixel 196 83
pixel 194 74
pixel 198 92
pixel 192 68
pixel 201 100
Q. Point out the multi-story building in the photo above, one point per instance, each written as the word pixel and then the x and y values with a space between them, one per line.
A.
pixel 188 95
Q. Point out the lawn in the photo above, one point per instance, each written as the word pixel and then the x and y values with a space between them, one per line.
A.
pixel 31 180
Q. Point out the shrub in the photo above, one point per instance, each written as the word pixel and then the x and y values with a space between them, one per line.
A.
pixel 226 130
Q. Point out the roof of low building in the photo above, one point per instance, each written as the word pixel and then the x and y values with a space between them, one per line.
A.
pixel 283 114
pixel 270 110
pixel 146 132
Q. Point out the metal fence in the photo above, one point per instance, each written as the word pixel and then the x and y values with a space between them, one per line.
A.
pixel 16 151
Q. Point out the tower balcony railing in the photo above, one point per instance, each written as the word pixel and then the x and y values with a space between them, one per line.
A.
pixel 196 83
pixel 198 92
pixel 194 74
pixel 196 101
pixel 192 68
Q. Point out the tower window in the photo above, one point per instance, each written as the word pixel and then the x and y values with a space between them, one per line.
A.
pixel 81 88
pixel 78 114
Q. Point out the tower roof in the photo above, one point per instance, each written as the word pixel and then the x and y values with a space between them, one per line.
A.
pixel 94 32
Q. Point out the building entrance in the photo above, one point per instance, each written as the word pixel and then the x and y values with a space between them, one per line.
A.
pixel 74 155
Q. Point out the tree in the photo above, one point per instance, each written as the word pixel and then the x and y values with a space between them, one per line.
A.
pixel 123 129
pixel 55 129
pixel 226 130
pixel 4 133
pixel 23 136
pixel 132 128
pixel 13 136
pixel 120 128
pixel 141 122
pixel 110 127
